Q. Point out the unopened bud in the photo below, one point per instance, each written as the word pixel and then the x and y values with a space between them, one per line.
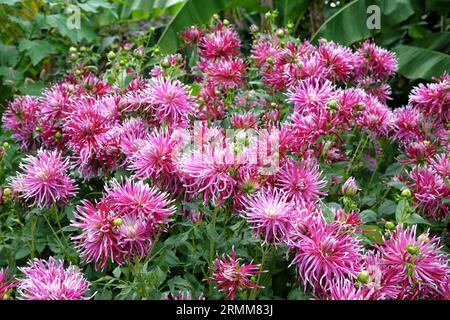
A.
pixel 389 225
pixel 406 193
pixel 117 222
pixel 363 277
pixel 111 55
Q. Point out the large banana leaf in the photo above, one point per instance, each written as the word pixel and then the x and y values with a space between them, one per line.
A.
pixel 421 63
pixel 349 24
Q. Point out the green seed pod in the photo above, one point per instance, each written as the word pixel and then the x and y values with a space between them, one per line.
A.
pixel 406 193
pixel 58 136
pixel 117 222
pixel 389 225
pixel 363 277
pixel 111 55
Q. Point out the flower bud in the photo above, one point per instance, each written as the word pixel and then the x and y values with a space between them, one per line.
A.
pixel 406 193
pixel 269 60
pixel 350 188
pixel 58 136
pixel 7 192
pixel 363 277
pixel 111 55
pixel 412 250
pixel 226 22
pixel 389 225
pixel 5 145
pixel 73 50
pixel 117 222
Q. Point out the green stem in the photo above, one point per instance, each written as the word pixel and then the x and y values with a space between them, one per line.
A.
pixel 137 271
pixel 212 242
pixel 265 253
pixel 57 238
pixel 33 236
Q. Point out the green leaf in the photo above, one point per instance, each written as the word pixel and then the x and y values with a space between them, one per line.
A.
pixel 402 211
pixel 387 207
pixel 421 63
pixel 416 219
pixel 37 50
pixel 349 24
pixel 368 216
pixel 8 55
pixel 436 41
pixel 292 10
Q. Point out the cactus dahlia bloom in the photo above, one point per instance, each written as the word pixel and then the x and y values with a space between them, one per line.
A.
pixel 376 117
pixel 153 160
pixel 339 59
pixel 270 214
pixel 430 191
pixel 169 100
pixel 232 276
pixel 210 173
pixel 226 73
pixel 5 284
pixel 301 182
pixel 49 280
pixel 433 98
pixel 99 236
pixel 223 42
pixel 137 198
pixel 310 95
pixel 421 267
pixel 407 124
pixel 21 118
pixel 375 61
pixel 324 253
pixel 44 180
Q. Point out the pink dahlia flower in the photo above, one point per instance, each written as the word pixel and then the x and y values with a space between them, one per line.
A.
pixel 302 181
pixel 407 124
pixel 5 283
pixel 170 101
pixel 99 238
pixel 270 214
pixel 325 253
pixel 209 174
pixel 222 42
pixel 376 117
pixel 49 280
pixel 310 95
pixel 44 180
pixel 138 198
pixel 433 98
pixel 153 160
pixel 226 73
pixel 232 276
pixel 375 61
pixel 340 60
pixel 21 117
pixel 417 259
pixel 430 191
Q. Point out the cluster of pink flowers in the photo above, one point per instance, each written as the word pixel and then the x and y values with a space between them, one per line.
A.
pixel 421 129
pixel 121 226
pixel 148 130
